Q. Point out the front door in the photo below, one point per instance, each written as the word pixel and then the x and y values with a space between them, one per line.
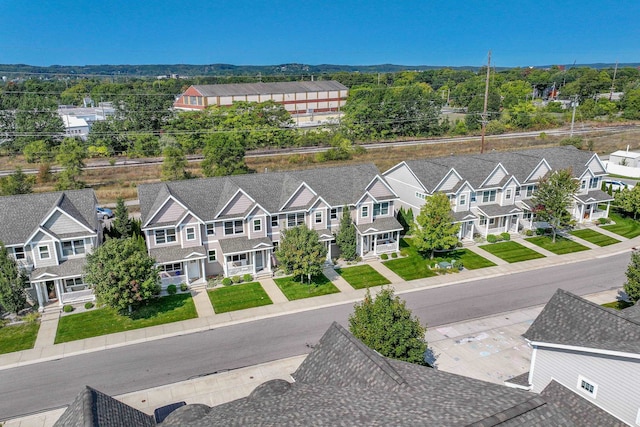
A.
pixel 51 290
pixel 193 268
pixel 259 260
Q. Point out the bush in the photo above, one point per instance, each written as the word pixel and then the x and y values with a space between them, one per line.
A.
pixel 603 221
pixel 247 277
pixel 540 231
pixel 184 287
pixel 227 282
pixel 528 233
pixel 172 289
pixel 505 236
pixel 492 238
pixel 576 141
pixel 31 317
pixel 67 308
pixel 384 256
pixel 394 254
pixel 236 279
pixel 404 252
pixel 88 305
pixel 157 290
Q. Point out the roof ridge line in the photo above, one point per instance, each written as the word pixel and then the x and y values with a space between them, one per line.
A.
pixel 510 413
pixel 616 313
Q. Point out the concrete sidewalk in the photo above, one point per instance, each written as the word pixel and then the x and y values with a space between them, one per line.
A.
pixel 45 349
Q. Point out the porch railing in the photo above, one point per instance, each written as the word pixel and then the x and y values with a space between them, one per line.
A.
pixel 78 296
pixel 172 280
pixel 385 247
pixel 238 270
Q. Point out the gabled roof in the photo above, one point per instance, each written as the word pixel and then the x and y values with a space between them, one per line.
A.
pixel 92 408
pixel 234 89
pixel 206 197
pixel 22 215
pixel 570 320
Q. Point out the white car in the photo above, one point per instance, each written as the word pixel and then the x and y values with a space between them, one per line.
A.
pixel 616 184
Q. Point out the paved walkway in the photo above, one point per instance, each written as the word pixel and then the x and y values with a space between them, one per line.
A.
pixel 386 272
pixel 274 292
pixel 337 280
pixel 609 233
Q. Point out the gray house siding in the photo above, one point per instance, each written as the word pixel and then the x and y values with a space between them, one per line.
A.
pixel 238 205
pixel 497 176
pixel 60 223
pixel 449 182
pixel 170 212
pixel 616 378
pixel 405 186
pixel 378 189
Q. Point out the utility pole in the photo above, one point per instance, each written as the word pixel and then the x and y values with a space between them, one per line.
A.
pixel 613 82
pixel 486 100
pixel 573 115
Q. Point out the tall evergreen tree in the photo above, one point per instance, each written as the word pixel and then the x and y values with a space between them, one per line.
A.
pixel 632 285
pixel 12 281
pixel 346 236
pixel 121 223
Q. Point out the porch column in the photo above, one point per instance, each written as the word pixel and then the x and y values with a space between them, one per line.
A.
pixel 202 268
pixel 185 270
pixel 38 286
pixel 58 285
pixel 396 239
pixel 607 214
pixel 473 225
pixel 581 219
pixel 267 253
pixel 375 244
pixel 225 269
pixel 328 250
pixel 253 258
pixel 486 229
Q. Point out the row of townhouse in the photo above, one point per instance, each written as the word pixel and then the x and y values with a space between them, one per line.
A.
pixel 49 235
pixel 232 225
pixel 491 193
pixel 228 226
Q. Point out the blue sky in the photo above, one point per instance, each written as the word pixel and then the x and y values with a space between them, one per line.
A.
pixel 243 32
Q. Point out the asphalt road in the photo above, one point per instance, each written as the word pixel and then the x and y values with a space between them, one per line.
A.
pixel 48 385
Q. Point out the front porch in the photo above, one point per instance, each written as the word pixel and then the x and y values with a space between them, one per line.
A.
pixel 380 236
pixel 496 219
pixel 592 206
pixel 246 256
pixel 61 284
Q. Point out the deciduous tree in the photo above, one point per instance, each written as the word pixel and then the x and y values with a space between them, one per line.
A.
pixel 629 200
pixel 71 155
pixel 301 253
pixel 12 282
pixel 387 326
pixel 16 183
pixel 122 274
pixel 223 155
pixel 434 229
pixel 553 199
pixel 174 165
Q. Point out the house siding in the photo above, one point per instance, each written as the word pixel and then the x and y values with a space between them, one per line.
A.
pixel 540 171
pixel 497 176
pixel 198 239
pixel 378 189
pixel 616 378
pixel 302 198
pixel 238 205
pixel 595 167
pixel 449 182
pixel 60 223
pixel 170 212
pixel 405 185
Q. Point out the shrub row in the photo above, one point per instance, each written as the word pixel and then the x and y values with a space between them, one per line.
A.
pixel 493 238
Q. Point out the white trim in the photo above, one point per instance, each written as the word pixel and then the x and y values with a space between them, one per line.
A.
pixel 533 364
pixel 379 178
pixel 240 190
pixel 163 205
pixel 40 258
pixel 186 233
pixel 295 192
pixel 498 166
pixel 587 350
pixel 251 211
pixel 57 208
pixel 215 254
pixel 365 194
pixel 543 161
pixel 44 231
pixel 446 176
pixel 582 382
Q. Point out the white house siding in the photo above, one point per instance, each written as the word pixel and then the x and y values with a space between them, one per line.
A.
pixel 449 182
pixel 61 223
pixel 595 166
pixel 405 186
pixel 378 189
pixel 540 171
pixel 617 379
pixel 496 177
pixel 170 212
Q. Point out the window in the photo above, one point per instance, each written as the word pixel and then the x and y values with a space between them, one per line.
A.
pixel 508 194
pixel 587 386
pixel 530 190
pixel 492 221
pixel 365 211
pixel 239 258
pixel 295 219
pixel 473 197
pixel 517 191
pixel 211 229
pixel 257 225
pixel 583 184
pixel 18 252
pixel 334 213
pixel 318 217
pixel 213 256
pixel 462 200
pixel 489 196
pixel 483 220
pixel 421 196
pixel 74 283
pixel 274 221
pixel 43 251
pixel 380 209
pixel 165 236
pixel 191 233
pixel 233 227
pixel 169 268
pixel 75 247
pixel 593 183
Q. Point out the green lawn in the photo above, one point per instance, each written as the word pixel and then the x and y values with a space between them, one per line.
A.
pixel 104 321
pixel 18 337
pixel 511 251
pixel 414 266
pixel 362 276
pixel 624 226
pixel 618 305
pixel 238 297
pixel 293 289
pixel 560 247
pixel 595 237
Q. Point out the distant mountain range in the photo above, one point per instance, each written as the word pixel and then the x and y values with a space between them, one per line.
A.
pixel 236 70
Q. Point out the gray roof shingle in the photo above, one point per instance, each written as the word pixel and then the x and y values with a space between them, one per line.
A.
pixel 570 320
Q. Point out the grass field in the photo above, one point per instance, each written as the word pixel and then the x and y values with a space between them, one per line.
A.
pixel 18 337
pixel 238 297
pixel 595 237
pixel 560 247
pixel 102 321
pixel 618 305
pixel 511 251
pixel 411 267
pixel 624 226
pixel 293 289
pixel 470 260
pixel 362 276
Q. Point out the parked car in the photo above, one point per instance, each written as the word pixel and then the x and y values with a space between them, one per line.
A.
pixel 104 213
pixel 617 184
